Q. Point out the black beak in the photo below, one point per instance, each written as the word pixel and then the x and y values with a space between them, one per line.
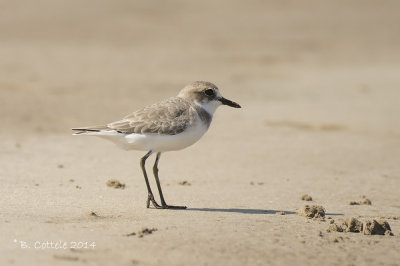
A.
pixel 229 102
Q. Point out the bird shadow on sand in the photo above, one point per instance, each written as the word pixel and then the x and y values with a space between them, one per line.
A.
pixel 237 210
pixel 250 211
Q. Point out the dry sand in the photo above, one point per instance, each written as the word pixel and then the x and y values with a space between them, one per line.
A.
pixel 319 84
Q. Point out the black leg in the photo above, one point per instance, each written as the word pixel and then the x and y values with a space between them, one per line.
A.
pixel 150 196
pixel 155 172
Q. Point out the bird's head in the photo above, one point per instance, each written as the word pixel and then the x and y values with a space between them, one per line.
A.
pixel 205 94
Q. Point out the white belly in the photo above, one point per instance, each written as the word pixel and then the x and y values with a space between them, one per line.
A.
pixel 162 143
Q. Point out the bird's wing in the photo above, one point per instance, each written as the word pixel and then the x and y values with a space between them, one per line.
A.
pixel 169 117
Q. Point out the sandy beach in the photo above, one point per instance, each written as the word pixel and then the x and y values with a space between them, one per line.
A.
pixel 319 86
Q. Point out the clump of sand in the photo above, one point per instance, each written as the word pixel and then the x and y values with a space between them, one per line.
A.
pixel 379 227
pixel 146 231
pixel 313 211
pixel 115 184
pixel 390 217
pixel 258 183
pixel 363 201
pixel 143 232
pixel 334 228
pixel 354 225
pixel 93 214
pixel 306 197
pixel 184 183
pixel 349 225
pixel 337 239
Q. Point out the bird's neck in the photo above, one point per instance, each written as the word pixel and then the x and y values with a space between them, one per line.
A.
pixel 205 112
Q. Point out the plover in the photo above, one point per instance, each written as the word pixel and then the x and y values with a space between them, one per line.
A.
pixel 169 125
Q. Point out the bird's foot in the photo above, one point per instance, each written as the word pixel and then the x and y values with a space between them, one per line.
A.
pixel 166 206
pixel 150 198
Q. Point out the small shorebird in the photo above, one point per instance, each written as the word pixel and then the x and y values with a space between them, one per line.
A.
pixel 169 125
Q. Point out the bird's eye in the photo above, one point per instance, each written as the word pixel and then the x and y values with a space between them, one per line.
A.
pixel 209 92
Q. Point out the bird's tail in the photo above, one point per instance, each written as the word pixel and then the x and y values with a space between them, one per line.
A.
pixel 89 130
